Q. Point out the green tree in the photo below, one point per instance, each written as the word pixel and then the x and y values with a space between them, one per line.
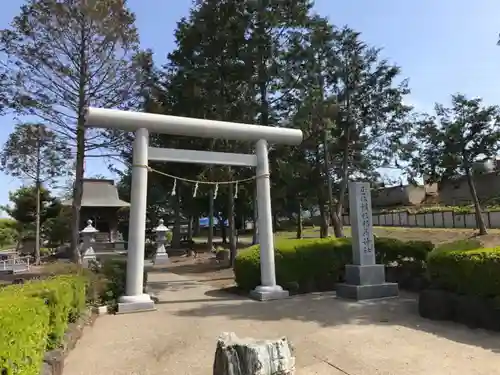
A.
pixel 66 55
pixel 57 227
pixel 454 139
pixel 35 153
pixel 350 106
pixel 7 237
pixel 23 209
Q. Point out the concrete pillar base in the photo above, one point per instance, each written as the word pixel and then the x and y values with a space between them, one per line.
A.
pixel 365 283
pixel 367 292
pixel 269 293
pixel 132 304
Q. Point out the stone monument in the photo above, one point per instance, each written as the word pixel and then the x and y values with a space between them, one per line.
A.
pixel 364 279
pixel 88 239
pixel 161 256
pixel 246 356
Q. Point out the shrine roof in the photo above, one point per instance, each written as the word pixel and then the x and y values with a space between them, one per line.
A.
pixel 99 193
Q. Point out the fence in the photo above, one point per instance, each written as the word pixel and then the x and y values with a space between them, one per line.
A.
pixel 15 264
pixel 443 219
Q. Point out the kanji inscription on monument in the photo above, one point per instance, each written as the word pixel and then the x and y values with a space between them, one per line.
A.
pixel 360 209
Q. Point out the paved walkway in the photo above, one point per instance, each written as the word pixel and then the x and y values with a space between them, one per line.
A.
pixel 330 336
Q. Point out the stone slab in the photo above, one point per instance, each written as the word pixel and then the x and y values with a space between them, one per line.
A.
pixel 367 292
pixel 365 275
pixel 134 307
pixel 269 295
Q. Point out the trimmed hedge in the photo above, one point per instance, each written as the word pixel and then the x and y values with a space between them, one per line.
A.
pixel 318 264
pixel 59 295
pixel 472 272
pixel 113 274
pixel 24 326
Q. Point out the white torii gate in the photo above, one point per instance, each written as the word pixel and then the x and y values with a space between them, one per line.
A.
pixel 144 123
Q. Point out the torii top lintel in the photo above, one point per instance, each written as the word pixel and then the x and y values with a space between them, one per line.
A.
pixel 131 121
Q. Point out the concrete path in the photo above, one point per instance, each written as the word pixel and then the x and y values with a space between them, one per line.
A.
pixel 331 336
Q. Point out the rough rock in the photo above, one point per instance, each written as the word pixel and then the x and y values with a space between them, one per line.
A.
pixel 246 356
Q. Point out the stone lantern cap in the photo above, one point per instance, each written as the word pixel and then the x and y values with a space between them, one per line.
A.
pixel 89 228
pixel 161 227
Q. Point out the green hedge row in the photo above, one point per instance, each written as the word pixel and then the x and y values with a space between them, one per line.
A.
pixel 318 264
pixel 34 317
pixel 470 272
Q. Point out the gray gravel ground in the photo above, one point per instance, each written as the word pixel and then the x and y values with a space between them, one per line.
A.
pixel 330 336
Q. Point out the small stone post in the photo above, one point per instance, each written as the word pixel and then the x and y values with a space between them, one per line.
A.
pixel 364 278
pixel 161 256
pixel 88 237
pixel 236 356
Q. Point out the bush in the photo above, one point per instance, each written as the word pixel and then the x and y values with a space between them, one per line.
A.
pixel 94 282
pixel 390 251
pixel 318 264
pixel 472 272
pixel 61 296
pixel 24 326
pixel 459 245
pixel 114 274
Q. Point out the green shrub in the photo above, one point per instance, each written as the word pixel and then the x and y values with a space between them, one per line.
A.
pixel 459 245
pixel 78 285
pixel 24 325
pixel 58 294
pixel 114 273
pixel 311 263
pixel 472 272
pixel 390 251
pixel 247 268
pixel 94 282
pixel 318 264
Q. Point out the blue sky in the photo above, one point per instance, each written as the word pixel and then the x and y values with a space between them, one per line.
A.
pixel 442 46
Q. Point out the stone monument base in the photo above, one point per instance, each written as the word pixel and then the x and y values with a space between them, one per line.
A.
pixel 365 283
pixel 132 304
pixel 269 293
pixel 161 259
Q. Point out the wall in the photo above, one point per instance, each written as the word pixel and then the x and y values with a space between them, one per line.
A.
pixel 407 195
pixel 445 219
pixel 453 193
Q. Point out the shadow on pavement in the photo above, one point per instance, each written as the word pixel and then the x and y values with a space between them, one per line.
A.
pixel 328 311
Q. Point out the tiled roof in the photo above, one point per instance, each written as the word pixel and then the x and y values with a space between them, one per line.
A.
pixel 99 193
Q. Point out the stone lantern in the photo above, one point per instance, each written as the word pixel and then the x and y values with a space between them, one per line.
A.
pixel 161 256
pixel 88 237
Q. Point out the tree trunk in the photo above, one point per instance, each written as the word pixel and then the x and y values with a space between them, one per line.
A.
pixel 210 240
pixel 80 151
pixel 338 226
pixel 38 188
pixel 232 229
pixel 235 356
pixel 196 226
pixel 77 196
pixel 477 206
pixel 37 230
pixel 323 231
pixel 299 222
pixel 276 223
pixel 326 156
pixel 176 235
pixel 255 229
pixel 190 229
pixel 223 229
